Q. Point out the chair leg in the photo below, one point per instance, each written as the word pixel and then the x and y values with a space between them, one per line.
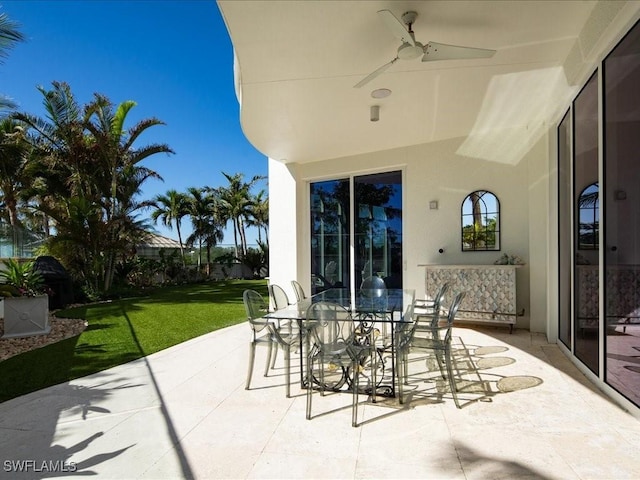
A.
pixel 309 385
pixel 287 368
pixel 266 366
pixel 441 362
pixel 400 374
pixel 452 380
pixel 252 355
pixel 273 358
pixel 374 368
pixel 356 384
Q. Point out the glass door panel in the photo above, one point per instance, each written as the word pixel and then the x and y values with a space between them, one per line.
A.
pixel 564 231
pixel 330 247
pixel 586 226
pixel 378 228
pixel 621 74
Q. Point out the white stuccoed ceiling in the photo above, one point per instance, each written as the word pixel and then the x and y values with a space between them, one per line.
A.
pixel 298 61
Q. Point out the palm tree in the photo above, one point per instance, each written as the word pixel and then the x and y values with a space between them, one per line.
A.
pixel 170 208
pixel 236 198
pixel 259 216
pixel 87 176
pixel 9 36
pixel 199 208
pixel 205 208
pixel 13 176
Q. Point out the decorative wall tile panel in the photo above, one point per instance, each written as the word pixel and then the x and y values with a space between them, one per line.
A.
pixel 490 290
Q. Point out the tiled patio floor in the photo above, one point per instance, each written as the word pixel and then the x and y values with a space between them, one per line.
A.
pixel 184 413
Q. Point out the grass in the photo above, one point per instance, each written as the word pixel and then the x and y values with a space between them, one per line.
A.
pixel 125 330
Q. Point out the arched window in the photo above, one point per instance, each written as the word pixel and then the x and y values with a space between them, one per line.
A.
pixel 589 218
pixel 480 222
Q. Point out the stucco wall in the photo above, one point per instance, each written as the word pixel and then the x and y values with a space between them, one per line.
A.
pixel 431 172
pixel 283 225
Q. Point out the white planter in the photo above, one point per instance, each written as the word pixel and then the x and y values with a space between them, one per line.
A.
pixel 26 316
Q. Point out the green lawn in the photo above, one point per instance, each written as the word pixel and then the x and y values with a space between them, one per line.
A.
pixel 125 330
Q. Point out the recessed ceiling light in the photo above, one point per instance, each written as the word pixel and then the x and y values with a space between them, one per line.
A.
pixel 381 93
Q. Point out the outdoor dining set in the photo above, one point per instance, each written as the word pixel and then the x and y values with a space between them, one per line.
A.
pixel 353 341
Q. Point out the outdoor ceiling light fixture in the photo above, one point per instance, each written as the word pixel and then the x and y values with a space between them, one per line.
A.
pixel 381 93
pixel 375 113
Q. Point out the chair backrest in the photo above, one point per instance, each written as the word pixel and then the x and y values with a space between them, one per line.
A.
pixel 297 288
pixel 406 328
pixel 437 303
pixel 333 328
pixel 256 307
pixel 440 294
pixel 278 297
pixel 451 314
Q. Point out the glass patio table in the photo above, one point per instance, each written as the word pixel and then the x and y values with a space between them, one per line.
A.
pixel 378 313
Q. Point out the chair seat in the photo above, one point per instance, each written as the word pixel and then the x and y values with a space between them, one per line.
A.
pixel 430 343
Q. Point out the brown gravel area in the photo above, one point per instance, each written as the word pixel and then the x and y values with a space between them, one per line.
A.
pixel 61 328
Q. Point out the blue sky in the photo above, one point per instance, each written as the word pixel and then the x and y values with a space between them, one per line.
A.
pixel 174 58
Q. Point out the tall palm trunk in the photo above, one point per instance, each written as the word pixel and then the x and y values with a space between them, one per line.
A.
pixel 184 264
pixel 243 237
pixel 235 237
pixel 12 207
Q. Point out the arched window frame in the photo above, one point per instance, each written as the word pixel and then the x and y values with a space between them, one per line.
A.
pixel 474 239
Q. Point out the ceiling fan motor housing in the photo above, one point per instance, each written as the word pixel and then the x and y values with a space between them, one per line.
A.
pixel 406 51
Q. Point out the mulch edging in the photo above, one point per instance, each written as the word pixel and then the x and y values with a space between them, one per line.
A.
pixel 61 329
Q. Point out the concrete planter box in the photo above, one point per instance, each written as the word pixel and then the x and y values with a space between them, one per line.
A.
pixel 26 316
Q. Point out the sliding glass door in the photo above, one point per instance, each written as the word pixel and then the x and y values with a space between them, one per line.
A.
pixel 599 221
pixel 345 252
pixel 621 74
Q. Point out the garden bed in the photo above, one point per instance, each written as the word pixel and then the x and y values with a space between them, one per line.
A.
pixel 61 328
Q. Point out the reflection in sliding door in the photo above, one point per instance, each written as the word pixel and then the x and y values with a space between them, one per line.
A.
pixel 622 214
pixel 329 234
pixel 586 225
pixel 378 227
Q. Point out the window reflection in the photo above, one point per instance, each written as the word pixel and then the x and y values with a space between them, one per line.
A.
pixel 589 215
pixel 587 273
pixel 378 229
pixel 377 241
pixel 622 213
pixel 329 234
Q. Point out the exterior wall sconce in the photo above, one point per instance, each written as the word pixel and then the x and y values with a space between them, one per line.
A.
pixel 375 113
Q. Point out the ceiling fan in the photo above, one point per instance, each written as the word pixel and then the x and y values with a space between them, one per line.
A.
pixel 411 49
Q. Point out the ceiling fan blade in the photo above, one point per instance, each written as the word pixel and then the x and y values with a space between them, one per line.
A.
pixel 375 73
pixel 397 27
pixel 441 51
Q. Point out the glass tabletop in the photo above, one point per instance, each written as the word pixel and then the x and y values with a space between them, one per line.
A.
pixel 394 302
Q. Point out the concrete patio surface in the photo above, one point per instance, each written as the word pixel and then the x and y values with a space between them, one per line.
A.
pixel 184 413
